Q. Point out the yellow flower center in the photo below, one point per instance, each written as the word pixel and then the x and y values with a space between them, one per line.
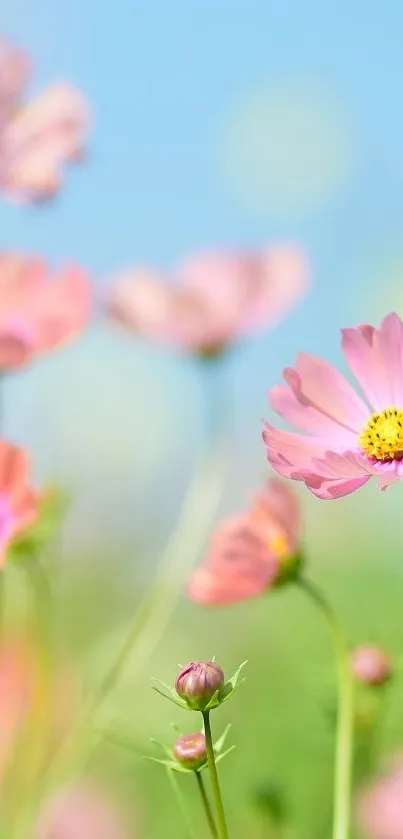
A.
pixel 382 437
pixel 280 545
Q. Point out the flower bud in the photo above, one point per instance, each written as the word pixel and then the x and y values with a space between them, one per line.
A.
pixel 371 665
pixel 190 750
pixel 198 682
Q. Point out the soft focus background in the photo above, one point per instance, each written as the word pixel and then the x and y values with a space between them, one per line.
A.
pixel 216 124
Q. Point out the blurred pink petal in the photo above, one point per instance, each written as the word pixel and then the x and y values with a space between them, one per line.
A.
pixel 37 704
pixel 379 805
pixel 14 76
pixel 16 686
pixel 38 314
pixel 19 503
pixel 247 551
pixel 37 137
pixel 278 510
pixel 256 288
pixel 345 443
pixel 81 812
pixel 219 298
pixel 41 138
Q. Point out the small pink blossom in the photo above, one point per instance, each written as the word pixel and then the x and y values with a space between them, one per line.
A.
pixel 379 806
pixel 39 137
pixel 19 503
pixel 346 439
pixel 81 811
pixel 371 665
pixel 39 313
pixel 247 551
pixel 218 298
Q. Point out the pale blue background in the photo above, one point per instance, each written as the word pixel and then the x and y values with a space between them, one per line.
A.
pixel 167 80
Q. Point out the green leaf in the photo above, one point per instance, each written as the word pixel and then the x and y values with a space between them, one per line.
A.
pixel 224 754
pixel 171 764
pixel 230 686
pixel 169 693
pixel 218 745
pixel 165 748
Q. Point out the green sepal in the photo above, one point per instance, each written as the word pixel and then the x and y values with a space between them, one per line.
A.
pixel 169 693
pixel 227 690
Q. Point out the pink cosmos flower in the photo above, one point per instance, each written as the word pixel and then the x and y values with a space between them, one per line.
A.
pixel 348 438
pixel 18 501
pixel 36 138
pixel 38 314
pixel 81 812
pixel 379 807
pixel 248 551
pixel 218 298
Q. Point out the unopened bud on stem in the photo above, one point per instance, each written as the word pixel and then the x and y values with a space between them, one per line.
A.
pixel 190 750
pixel 198 682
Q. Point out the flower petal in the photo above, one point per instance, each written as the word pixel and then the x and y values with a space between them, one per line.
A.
pixel 318 384
pixel 329 490
pixel 44 135
pixel 63 309
pixel 210 588
pixel 291 454
pixel 391 353
pixel 375 356
pixel 280 506
pixel 305 416
pixel 14 469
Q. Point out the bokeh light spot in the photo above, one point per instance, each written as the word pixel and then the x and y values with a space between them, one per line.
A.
pixel 287 149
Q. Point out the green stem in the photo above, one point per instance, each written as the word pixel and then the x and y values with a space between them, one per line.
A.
pixel 159 602
pixel 181 804
pixel 206 805
pixel 344 735
pixel 215 785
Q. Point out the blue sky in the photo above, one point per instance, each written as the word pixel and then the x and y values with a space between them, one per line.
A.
pixel 214 123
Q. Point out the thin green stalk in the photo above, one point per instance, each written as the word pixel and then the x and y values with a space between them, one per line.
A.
pixel 215 785
pixel 159 602
pixel 206 805
pixel 181 803
pixel 344 734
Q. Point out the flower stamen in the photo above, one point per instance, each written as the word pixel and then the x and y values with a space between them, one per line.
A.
pixel 382 438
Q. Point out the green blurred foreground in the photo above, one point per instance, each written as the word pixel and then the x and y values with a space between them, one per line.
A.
pixel 283 715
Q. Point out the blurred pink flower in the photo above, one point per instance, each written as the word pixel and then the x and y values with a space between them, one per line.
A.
pixel 16 686
pixel 248 551
pixel 36 138
pixel 219 297
pixel 19 503
pixel 38 700
pixel 379 805
pixel 38 314
pixel 15 70
pixel 371 665
pixel 81 812
pixel 346 442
